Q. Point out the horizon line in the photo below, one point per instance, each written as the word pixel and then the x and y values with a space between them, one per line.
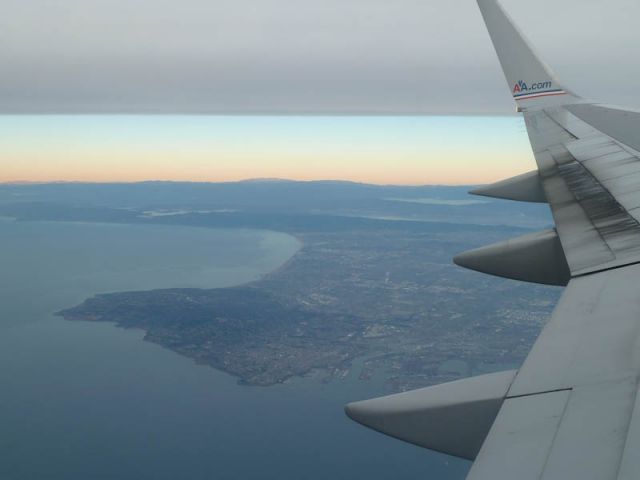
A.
pixel 257 113
pixel 246 180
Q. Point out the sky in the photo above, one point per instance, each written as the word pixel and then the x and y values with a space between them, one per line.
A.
pixel 238 58
pixel 413 150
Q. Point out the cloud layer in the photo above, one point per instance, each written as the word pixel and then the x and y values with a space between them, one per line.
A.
pixel 298 56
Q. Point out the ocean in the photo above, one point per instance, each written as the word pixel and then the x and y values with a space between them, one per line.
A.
pixel 81 400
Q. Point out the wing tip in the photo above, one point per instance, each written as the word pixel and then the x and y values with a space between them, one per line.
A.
pixel 531 82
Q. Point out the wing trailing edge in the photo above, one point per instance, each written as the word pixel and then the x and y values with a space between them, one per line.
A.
pixel 452 418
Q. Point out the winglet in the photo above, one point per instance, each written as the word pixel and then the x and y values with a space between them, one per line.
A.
pixel 531 82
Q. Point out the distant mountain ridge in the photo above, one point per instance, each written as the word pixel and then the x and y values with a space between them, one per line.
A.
pixel 434 203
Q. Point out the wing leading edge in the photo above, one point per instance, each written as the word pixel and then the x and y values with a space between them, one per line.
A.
pixel 570 411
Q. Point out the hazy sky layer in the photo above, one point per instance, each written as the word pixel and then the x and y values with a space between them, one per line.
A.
pixel 385 150
pixel 252 57
pixel 266 56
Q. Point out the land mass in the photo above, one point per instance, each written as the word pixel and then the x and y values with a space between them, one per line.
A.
pixel 374 281
pixel 383 291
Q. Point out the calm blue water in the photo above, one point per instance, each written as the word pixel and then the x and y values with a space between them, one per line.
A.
pixel 91 401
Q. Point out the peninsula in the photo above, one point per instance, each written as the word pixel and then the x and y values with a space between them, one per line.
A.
pixel 383 291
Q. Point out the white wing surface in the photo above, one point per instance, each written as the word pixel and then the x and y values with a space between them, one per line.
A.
pixel 570 412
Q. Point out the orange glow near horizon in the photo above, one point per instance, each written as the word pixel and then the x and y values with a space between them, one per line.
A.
pixel 380 150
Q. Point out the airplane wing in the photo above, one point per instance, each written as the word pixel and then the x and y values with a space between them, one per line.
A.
pixel 572 410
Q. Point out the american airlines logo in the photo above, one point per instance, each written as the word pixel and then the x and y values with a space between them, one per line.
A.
pixel 523 87
pixel 524 91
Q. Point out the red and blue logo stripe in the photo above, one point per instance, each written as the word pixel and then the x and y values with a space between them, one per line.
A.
pixel 546 93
